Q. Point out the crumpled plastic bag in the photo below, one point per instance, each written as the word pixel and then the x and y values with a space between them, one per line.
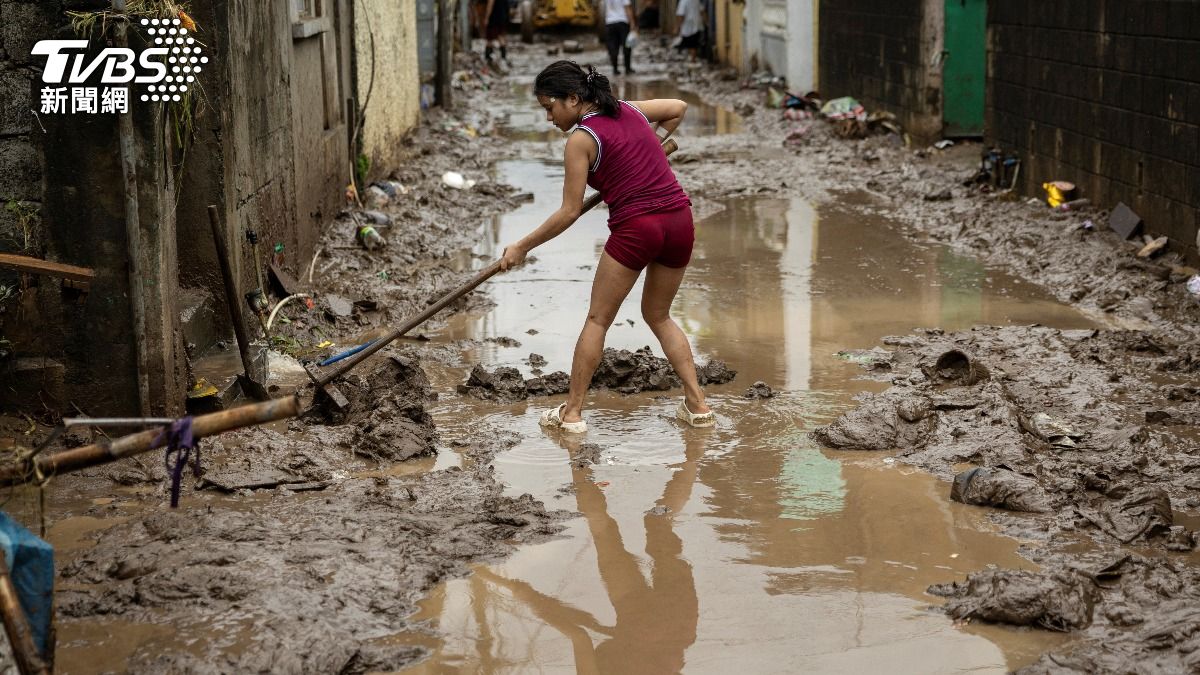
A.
pixel 844 108
pixel 1051 429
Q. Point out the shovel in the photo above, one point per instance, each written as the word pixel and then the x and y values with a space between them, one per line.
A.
pixel 249 385
pixel 324 382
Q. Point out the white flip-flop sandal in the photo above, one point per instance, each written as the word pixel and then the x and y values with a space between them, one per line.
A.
pixel 553 418
pixel 696 420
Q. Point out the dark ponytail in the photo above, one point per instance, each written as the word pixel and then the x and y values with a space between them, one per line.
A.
pixel 563 78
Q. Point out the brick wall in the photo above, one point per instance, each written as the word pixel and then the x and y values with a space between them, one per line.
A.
pixel 1105 94
pixel 878 52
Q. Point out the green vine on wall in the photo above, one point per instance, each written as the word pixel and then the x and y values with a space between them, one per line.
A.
pixel 183 113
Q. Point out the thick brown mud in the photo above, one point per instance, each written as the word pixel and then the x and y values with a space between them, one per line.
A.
pixel 1093 431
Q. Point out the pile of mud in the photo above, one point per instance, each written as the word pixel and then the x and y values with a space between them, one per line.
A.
pixel 1090 431
pixel 619 369
pixel 297 582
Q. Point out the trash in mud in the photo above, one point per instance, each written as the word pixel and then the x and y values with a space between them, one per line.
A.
pixel 1124 221
pixel 999 487
pixel 955 367
pixel 872 359
pixel 943 144
pixel 1058 191
pixel 1053 430
pixel 1061 601
pixel 369 238
pixel 844 108
pixel 454 179
pixel 660 510
pixel 1153 247
pixel 939 196
pixel 759 389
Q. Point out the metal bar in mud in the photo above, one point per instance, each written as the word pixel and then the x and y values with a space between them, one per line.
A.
pixel 144 441
pixel 668 145
pixel 16 626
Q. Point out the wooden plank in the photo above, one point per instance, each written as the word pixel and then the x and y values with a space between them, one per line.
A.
pixel 30 265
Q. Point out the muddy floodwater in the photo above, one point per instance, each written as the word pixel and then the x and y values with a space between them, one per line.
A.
pixel 739 547
pixel 743 546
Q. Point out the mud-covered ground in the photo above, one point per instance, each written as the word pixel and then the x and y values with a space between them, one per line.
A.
pixel 1085 442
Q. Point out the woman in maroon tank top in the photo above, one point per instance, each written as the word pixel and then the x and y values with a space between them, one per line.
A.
pixel 614 146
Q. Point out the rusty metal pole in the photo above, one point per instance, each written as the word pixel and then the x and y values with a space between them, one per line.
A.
pixel 16 626
pixel 46 464
pixel 133 227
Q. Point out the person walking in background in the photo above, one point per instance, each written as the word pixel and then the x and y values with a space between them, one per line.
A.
pixel 618 20
pixel 491 17
pixel 690 26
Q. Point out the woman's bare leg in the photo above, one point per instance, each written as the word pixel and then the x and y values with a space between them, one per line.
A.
pixel 609 289
pixel 662 283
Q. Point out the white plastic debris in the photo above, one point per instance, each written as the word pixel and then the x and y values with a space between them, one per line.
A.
pixel 1193 286
pixel 943 144
pixel 456 180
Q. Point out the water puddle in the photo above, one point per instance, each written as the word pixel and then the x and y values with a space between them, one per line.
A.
pixel 742 546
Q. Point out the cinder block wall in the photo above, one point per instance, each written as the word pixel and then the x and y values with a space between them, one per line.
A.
pixel 881 53
pixel 1105 94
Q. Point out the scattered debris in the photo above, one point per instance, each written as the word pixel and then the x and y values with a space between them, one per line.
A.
pixel 1124 221
pixel 759 389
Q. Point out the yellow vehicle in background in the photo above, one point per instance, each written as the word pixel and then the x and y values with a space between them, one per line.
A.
pixel 563 13
pixel 536 14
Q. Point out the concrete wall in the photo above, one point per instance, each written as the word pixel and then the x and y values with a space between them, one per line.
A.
pixel 801 70
pixel 62 172
pixel 271 152
pixel 271 149
pixel 386 71
pixel 885 53
pixel 1105 94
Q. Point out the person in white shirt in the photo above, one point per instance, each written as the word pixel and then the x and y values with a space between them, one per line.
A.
pixel 618 20
pixel 690 28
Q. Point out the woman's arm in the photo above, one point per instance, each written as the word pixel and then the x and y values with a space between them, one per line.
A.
pixel 667 113
pixel 580 152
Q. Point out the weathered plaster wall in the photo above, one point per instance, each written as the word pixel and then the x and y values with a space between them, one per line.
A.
pixel 387 77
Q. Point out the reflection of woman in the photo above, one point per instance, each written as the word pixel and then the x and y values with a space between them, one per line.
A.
pixel 655 619
pixel 613 148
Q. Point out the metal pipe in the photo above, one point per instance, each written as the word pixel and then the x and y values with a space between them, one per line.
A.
pixel 144 441
pixel 133 227
pixel 116 421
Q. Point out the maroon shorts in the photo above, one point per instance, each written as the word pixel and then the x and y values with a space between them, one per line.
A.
pixel 665 238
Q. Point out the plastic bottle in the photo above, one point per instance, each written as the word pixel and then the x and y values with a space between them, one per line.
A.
pixel 370 238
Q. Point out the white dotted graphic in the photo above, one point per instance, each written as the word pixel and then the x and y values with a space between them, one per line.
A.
pixel 183 58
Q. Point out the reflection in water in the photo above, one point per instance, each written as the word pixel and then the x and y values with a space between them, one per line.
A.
pixel 774 549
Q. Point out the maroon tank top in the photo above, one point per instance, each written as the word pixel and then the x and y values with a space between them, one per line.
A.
pixel 631 173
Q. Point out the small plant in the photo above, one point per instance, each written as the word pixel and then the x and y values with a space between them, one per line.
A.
pixel 25 213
